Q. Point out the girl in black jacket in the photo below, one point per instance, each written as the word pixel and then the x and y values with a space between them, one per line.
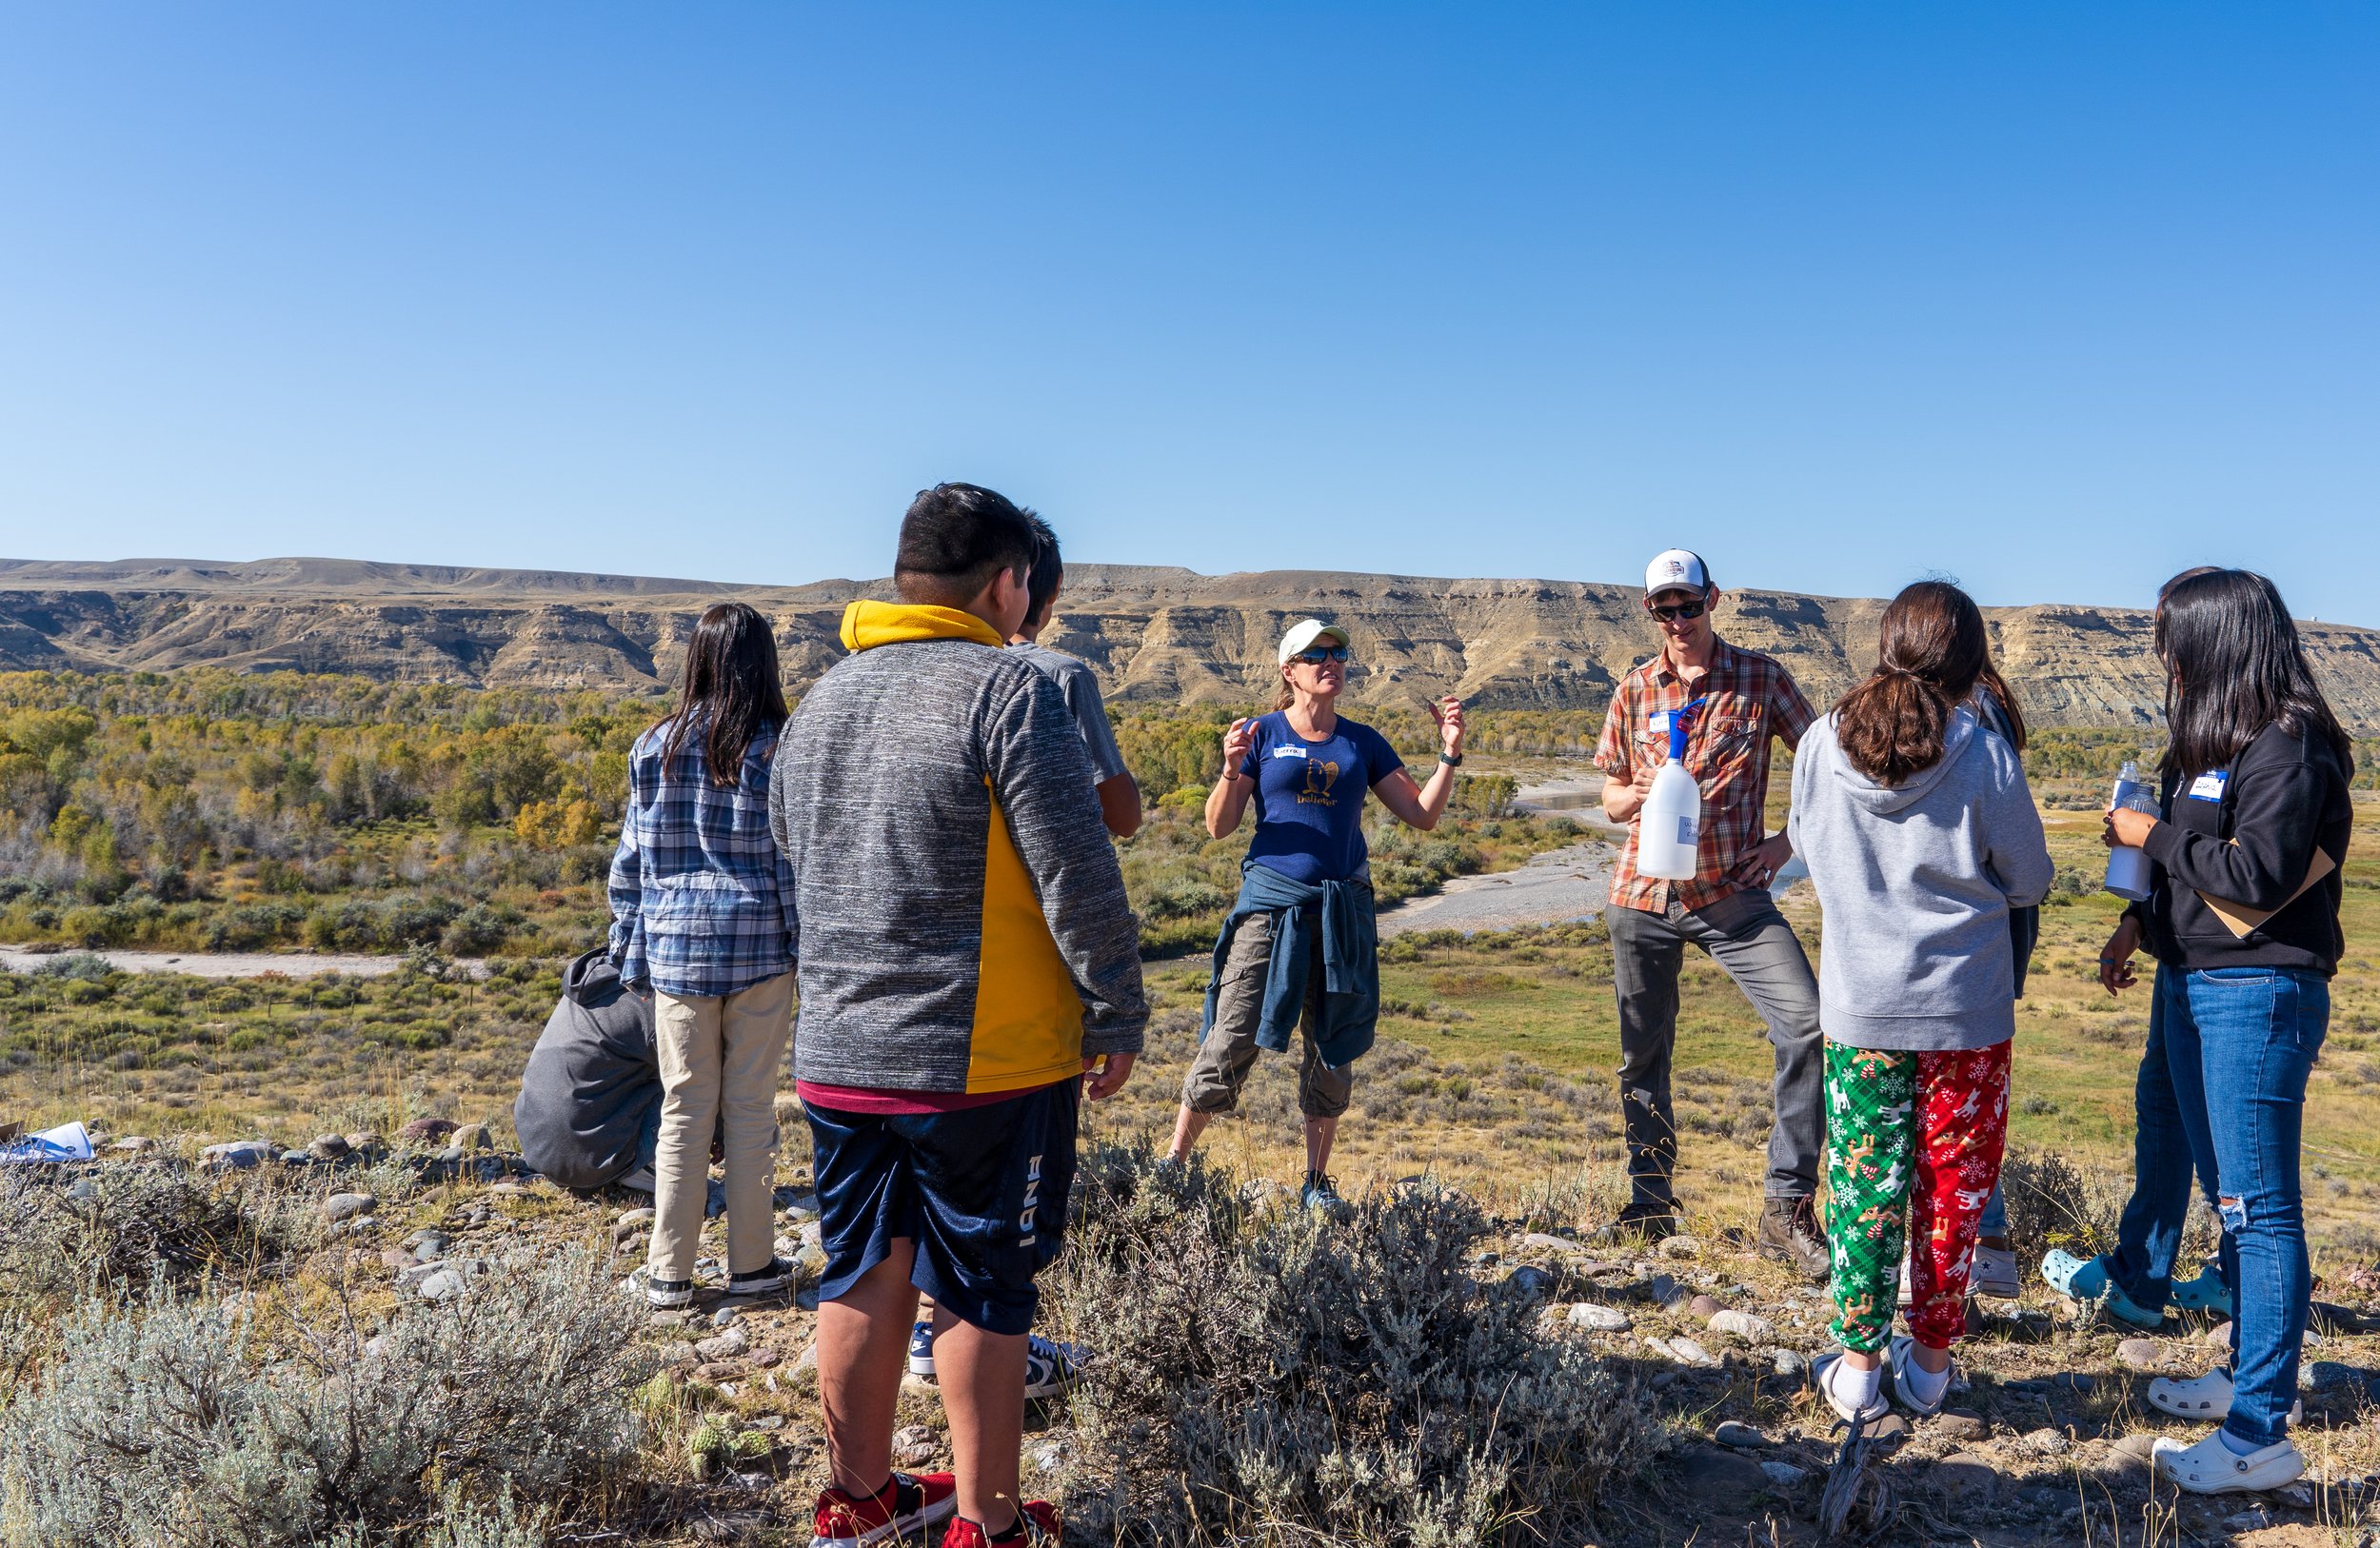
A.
pixel 2244 923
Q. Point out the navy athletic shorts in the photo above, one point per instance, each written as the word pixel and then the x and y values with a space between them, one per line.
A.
pixel 981 1191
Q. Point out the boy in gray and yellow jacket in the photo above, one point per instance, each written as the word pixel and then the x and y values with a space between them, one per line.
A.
pixel 968 966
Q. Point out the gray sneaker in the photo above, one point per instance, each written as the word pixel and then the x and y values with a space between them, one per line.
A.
pixel 1789 1232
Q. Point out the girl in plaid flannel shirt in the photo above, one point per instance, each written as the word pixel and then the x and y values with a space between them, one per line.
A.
pixel 702 906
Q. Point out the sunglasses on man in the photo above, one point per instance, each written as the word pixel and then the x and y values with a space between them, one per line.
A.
pixel 1683 609
pixel 1320 654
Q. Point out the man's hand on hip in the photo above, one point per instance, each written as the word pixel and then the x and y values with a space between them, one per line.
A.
pixel 1760 867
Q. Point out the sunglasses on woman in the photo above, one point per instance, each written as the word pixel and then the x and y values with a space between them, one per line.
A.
pixel 1320 654
pixel 1683 609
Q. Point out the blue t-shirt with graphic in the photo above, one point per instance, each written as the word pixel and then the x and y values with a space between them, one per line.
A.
pixel 1309 797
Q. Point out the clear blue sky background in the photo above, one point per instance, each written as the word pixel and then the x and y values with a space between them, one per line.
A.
pixel 2055 298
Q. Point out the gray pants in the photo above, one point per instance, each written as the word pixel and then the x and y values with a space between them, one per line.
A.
pixel 1228 1050
pixel 1744 934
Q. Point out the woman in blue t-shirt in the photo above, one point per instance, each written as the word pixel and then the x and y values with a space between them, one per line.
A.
pixel 1300 945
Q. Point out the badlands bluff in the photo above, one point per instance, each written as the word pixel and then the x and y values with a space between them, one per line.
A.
pixel 1153 633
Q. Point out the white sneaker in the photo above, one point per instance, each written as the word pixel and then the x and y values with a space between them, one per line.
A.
pixel 641 1179
pixel 1994 1273
pixel 1902 1362
pixel 2207 1396
pixel 1822 1372
pixel 2213 1468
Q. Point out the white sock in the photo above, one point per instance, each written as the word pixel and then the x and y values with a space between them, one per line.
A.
pixel 2236 1446
pixel 1924 1385
pixel 1856 1386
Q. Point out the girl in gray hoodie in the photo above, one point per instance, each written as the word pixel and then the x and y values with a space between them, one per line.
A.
pixel 1920 836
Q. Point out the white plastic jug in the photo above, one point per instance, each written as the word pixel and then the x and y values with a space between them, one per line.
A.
pixel 2131 873
pixel 1669 828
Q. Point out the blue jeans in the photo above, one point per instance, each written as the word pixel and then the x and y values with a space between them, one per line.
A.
pixel 2150 1236
pixel 2249 1035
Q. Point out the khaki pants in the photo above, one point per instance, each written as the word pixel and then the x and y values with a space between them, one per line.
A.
pixel 719 1055
pixel 1229 1049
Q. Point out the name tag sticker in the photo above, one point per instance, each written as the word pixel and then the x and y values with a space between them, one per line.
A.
pixel 1289 750
pixel 1658 723
pixel 2210 786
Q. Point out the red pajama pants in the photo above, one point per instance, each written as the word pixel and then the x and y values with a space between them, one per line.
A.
pixel 1912 1152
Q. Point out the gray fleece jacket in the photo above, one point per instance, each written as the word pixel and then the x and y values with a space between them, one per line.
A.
pixel 963 926
pixel 1916 881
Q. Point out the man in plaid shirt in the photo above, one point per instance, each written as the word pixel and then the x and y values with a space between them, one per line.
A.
pixel 1746 699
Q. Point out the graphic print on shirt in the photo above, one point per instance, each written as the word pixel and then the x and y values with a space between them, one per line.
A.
pixel 1320 775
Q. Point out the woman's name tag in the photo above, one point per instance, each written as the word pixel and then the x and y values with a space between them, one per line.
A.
pixel 2210 786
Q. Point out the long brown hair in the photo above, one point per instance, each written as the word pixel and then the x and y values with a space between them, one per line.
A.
pixel 729 690
pixel 1932 653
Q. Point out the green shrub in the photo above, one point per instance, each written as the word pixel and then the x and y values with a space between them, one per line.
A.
pixel 1268 1376
pixel 177 1422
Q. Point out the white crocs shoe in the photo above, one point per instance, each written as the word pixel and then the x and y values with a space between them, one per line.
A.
pixel 1822 1372
pixel 2213 1468
pixel 2207 1396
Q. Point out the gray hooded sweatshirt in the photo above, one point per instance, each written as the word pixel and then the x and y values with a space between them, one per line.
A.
pixel 1916 881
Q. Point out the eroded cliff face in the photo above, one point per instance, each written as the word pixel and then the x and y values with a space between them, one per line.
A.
pixel 1152 633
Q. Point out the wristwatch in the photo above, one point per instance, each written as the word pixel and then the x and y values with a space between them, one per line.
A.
pixel 1451 760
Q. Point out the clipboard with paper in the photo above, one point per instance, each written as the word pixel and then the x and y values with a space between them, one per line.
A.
pixel 2241 920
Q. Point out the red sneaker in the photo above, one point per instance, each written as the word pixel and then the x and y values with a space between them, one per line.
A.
pixel 904 1505
pixel 1041 1526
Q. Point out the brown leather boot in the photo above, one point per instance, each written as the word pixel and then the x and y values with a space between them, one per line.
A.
pixel 1789 1232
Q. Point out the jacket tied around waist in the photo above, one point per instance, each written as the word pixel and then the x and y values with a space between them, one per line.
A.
pixel 1335 918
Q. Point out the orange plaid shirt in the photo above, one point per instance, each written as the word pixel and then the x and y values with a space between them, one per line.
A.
pixel 1748 699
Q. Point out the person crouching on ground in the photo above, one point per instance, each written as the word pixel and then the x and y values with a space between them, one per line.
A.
pixel 1301 945
pixel 968 960
pixel 1920 835
pixel 1746 701
pixel 701 909
pixel 2243 919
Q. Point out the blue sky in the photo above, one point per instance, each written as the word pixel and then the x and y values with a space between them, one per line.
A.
pixel 2056 299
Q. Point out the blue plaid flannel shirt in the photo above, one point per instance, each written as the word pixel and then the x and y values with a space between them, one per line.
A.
pixel 702 902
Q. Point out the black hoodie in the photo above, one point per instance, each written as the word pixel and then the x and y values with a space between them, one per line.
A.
pixel 2247 834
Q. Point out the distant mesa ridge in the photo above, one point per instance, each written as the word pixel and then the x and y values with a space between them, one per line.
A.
pixel 1151 632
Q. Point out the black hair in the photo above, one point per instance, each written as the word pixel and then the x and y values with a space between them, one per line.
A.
pixel 1048 570
pixel 730 688
pixel 956 537
pixel 2235 667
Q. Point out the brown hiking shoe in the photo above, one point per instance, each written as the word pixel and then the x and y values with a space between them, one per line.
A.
pixel 1789 1232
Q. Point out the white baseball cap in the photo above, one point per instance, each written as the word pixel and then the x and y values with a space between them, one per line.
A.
pixel 1303 634
pixel 1677 569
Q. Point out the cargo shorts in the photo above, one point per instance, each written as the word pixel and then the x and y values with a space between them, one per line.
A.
pixel 1228 1051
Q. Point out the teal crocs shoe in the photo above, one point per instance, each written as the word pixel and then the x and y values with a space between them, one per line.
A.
pixel 2081 1279
pixel 2206 1293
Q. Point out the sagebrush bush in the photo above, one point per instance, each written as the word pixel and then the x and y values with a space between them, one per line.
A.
pixel 2054 1203
pixel 186 1422
pixel 1266 1376
pixel 127 1223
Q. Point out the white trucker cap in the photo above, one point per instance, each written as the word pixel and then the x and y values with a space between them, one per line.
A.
pixel 1677 569
pixel 1303 633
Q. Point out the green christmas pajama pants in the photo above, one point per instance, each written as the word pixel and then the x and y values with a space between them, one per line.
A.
pixel 1912 1148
